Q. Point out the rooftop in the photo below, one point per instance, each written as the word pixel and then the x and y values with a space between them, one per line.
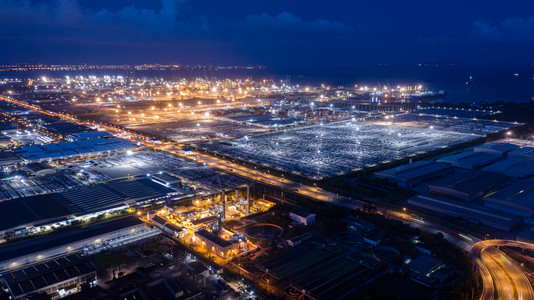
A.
pixel 213 238
pixel 159 220
pixel 36 167
pixel 35 277
pixel 204 220
pixel 517 167
pixel 33 209
pixel 166 178
pixel 88 135
pixel 34 152
pixel 414 170
pixel 471 183
pixel 64 238
pixel 78 201
pixel 498 147
pixel 519 195
pixel 525 151
pixel 103 196
pixel 196 267
pixel 470 159
pixel 467 211
pixel 301 212
pixel 423 264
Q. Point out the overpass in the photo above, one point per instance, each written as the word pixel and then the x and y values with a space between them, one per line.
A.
pixel 501 278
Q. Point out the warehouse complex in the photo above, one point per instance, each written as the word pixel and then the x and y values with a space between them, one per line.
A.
pixel 72 240
pixel 56 277
pixel 31 214
pixel 490 184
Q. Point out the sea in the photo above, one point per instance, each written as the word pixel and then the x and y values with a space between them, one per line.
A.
pixel 463 83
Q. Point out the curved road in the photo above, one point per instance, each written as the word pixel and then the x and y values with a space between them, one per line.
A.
pixel 502 279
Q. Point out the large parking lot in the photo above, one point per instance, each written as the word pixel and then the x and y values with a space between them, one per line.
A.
pixel 328 150
pixel 196 129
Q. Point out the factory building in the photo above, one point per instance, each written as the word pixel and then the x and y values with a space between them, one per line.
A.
pixel 302 216
pixel 516 199
pixel 414 173
pixel 513 166
pixel 77 149
pixel 216 245
pixel 39 169
pixel 167 180
pixel 147 283
pixel 467 186
pixel 166 226
pixel 87 135
pixel 44 247
pixel 499 147
pixel 9 158
pixel 57 278
pixel 204 222
pixel 471 160
pixel 525 152
pixel 472 213
pixel 29 215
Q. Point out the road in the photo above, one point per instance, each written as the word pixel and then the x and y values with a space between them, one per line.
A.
pixel 501 278
pixel 281 182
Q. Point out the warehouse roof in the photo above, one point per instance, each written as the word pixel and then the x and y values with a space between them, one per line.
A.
pixel 517 167
pixel 80 146
pixel 29 210
pixel 36 277
pixel 78 201
pixel 64 238
pixel 470 212
pixel 524 152
pixel 413 171
pixel 159 220
pixel 471 183
pixel 519 194
pixel 471 160
pixel 7 158
pixel 204 220
pixel 88 135
pixel 213 238
pixel 104 196
pixel 301 212
pixel 424 264
pixel 166 178
pixel 501 147
pixel 140 189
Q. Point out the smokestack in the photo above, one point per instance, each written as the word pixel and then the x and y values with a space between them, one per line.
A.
pixel 219 225
pixel 223 195
pixel 248 197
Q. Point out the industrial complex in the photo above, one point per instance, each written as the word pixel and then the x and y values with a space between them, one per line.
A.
pixel 122 188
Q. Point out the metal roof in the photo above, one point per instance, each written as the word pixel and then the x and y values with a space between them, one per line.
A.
pixel 64 238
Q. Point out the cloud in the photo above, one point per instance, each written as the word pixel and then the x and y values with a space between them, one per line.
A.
pixel 516 30
pixel 286 25
pixel 67 20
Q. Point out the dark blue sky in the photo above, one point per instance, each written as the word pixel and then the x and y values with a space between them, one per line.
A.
pixel 271 32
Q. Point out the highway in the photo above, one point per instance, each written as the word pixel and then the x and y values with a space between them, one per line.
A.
pixel 501 278
pixel 283 183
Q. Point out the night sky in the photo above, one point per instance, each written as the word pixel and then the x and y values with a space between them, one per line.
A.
pixel 272 33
